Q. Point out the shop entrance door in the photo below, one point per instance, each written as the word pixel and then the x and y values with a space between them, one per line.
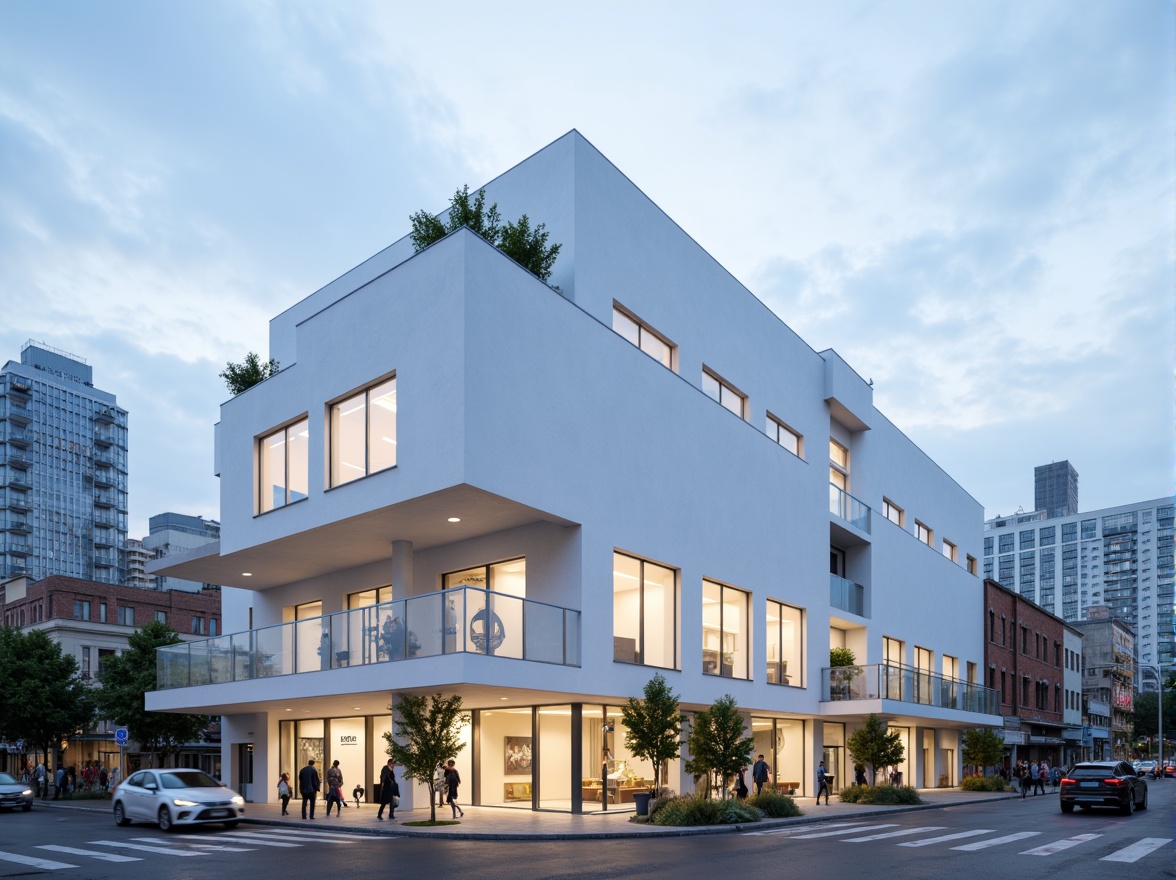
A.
pixel 244 780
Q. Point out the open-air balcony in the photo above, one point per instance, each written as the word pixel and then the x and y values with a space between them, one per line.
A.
pixel 463 620
pixel 905 684
pixel 844 506
pixel 847 595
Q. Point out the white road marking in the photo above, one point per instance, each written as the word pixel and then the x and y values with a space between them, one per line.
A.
pixel 946 837
pixel 260 836
pixel 74 851
pixel 901 833
pixel 139 847
pixel 43 864
pixel 172 841
pixel 1008 838
pixel 315 835
pixel 854 825
pixel 1137 851
pixel 844 831
pixel 1057 846
pixel 258 841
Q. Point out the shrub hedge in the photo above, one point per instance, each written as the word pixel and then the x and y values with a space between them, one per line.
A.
pixel 775 806
pixel 884 795
pixel 983 783
pixel 693 809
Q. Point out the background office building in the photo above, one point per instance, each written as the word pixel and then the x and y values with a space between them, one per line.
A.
pixel 172 533
pixel 536 497
pixel 63 470
pixel 1055 489
pixel 1120 557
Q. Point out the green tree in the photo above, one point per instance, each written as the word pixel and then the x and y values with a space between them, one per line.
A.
pixel 1145 720
pixel 875 745
pixel 42 699
pixel 526 246
pixel 983 747
pixel 430 729
pixel 653 726
pixel 127 678
pixel 248 373
pixel 717 744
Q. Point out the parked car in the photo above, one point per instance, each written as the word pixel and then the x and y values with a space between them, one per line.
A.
pixel 14 793
pixel 174 797
pixel 1103 784
pixel 1145 768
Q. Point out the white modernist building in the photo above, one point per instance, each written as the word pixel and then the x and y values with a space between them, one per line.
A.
pixel 466 481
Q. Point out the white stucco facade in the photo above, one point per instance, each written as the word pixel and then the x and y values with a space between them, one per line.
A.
pixel 556 441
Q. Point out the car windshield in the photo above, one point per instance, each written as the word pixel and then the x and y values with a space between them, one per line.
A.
pixel 187 779
pixel 7 779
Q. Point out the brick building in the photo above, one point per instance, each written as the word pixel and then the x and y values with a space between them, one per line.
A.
pixel 1037 675
pixel 92 621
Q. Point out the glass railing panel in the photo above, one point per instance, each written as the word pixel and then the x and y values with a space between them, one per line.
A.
pixel 507 620
pixel 242 656
pixel 571 637
pixel 220 659
pixel 199 655
pixel 847 595
pixel 312 645
pixel 544 629
pixel 273 651
pixel 426 625
pixel 391 637
pixel 172 666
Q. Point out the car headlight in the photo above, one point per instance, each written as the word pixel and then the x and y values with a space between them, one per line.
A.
pixel 180 802
pixel 28 792
pixel 238 800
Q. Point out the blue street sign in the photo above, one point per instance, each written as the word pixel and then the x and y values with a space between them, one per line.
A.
pixel 121 736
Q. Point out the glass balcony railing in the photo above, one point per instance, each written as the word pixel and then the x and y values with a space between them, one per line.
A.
pixel 891 681
pixel 463 620
pixel 846 507
pixel 847 595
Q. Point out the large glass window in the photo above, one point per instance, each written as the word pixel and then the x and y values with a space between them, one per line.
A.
pixel 724 630
pixel 785 637
pixel 283 473
pixel 508 577
pixel 645 612
pixel 363 433
pixel 642 336
pixel 725 394
pixel 838 465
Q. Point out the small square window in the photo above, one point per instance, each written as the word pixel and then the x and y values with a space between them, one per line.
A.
pixel 949 550
pixel 893 512
pixel 924 534
pixel 785 436
pixel 724 393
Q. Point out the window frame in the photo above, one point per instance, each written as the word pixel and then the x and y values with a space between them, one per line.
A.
pixel 642 625
pixel 778 426
pixel 722 630
pixel 644 329
pixel 259 446
pixel 125 611
pixel 782 677
pixel 924 533
pixel 724 386
pixel 950 551
pixel 888 508
pixel 334 405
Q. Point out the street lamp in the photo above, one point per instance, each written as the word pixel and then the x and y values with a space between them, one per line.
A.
pixel 1160 710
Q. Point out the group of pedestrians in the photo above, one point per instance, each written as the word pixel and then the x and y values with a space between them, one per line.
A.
pixel 445 782
pixel 1032 775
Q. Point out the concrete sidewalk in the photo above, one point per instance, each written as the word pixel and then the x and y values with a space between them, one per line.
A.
pixel 498 823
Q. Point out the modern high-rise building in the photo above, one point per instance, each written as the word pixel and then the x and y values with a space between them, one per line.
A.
pixel 137 556
pixel 172 533
pixel 538 497
pixel 1055 488
pixel 63 470
pixel 1120 557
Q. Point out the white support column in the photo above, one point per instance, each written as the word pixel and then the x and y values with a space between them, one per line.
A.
pixel 401 569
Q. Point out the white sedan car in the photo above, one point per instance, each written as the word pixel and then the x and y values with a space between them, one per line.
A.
pixel 174 797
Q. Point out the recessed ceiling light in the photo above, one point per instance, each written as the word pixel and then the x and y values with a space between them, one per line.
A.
pixel 504 698
pixel 289 710
pixel 247 574
pixel 357 708
pixel 455 519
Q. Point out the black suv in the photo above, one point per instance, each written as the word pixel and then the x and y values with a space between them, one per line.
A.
pixel 1104 784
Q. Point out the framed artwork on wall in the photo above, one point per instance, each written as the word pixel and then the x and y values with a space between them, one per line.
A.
pixel 517 755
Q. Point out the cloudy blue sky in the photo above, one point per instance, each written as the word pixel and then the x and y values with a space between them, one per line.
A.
pixel 973 202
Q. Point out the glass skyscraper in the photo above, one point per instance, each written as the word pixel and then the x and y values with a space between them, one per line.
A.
pixel 63 470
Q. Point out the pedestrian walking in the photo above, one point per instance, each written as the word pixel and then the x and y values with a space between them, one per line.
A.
pixel 1041 772
pixel 452 781
pixel 759 774
pixel 284 792
pixel 103 778
pixel 42 780
pixel 309 784
pixel 822 783
pixel 859 774
pixel 1023 778
pixel 335 789
pixel 58 783
pixel 741 784
pixel 389 790
pixel 439 785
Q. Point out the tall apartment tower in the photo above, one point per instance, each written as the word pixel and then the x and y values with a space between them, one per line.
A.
pixel 172 533
pixel 1055 489
pixel 63 470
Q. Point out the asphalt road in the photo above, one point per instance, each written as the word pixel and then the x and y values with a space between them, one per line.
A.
pixel 1010 838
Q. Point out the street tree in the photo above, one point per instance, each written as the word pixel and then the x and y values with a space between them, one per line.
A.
pixel 653 726
pixel 248 373
pixel 876 745
pixel 427 733
pixel 983 747
pixel 525 245
pixel 43 701
pixel 125 681
pixel 717 744
pixel 1145 720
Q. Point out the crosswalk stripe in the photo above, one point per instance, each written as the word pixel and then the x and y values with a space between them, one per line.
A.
pixel 1058 845
pixel 843 831
pixel 74 851
pixel 1008 838
pixel 901 833
pixel 316 835
pixel 946 837
pixel 43 864
pixel 257 841
pixel 261 837
pixel 1138 850
pixel 171 841
pixel 142 847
